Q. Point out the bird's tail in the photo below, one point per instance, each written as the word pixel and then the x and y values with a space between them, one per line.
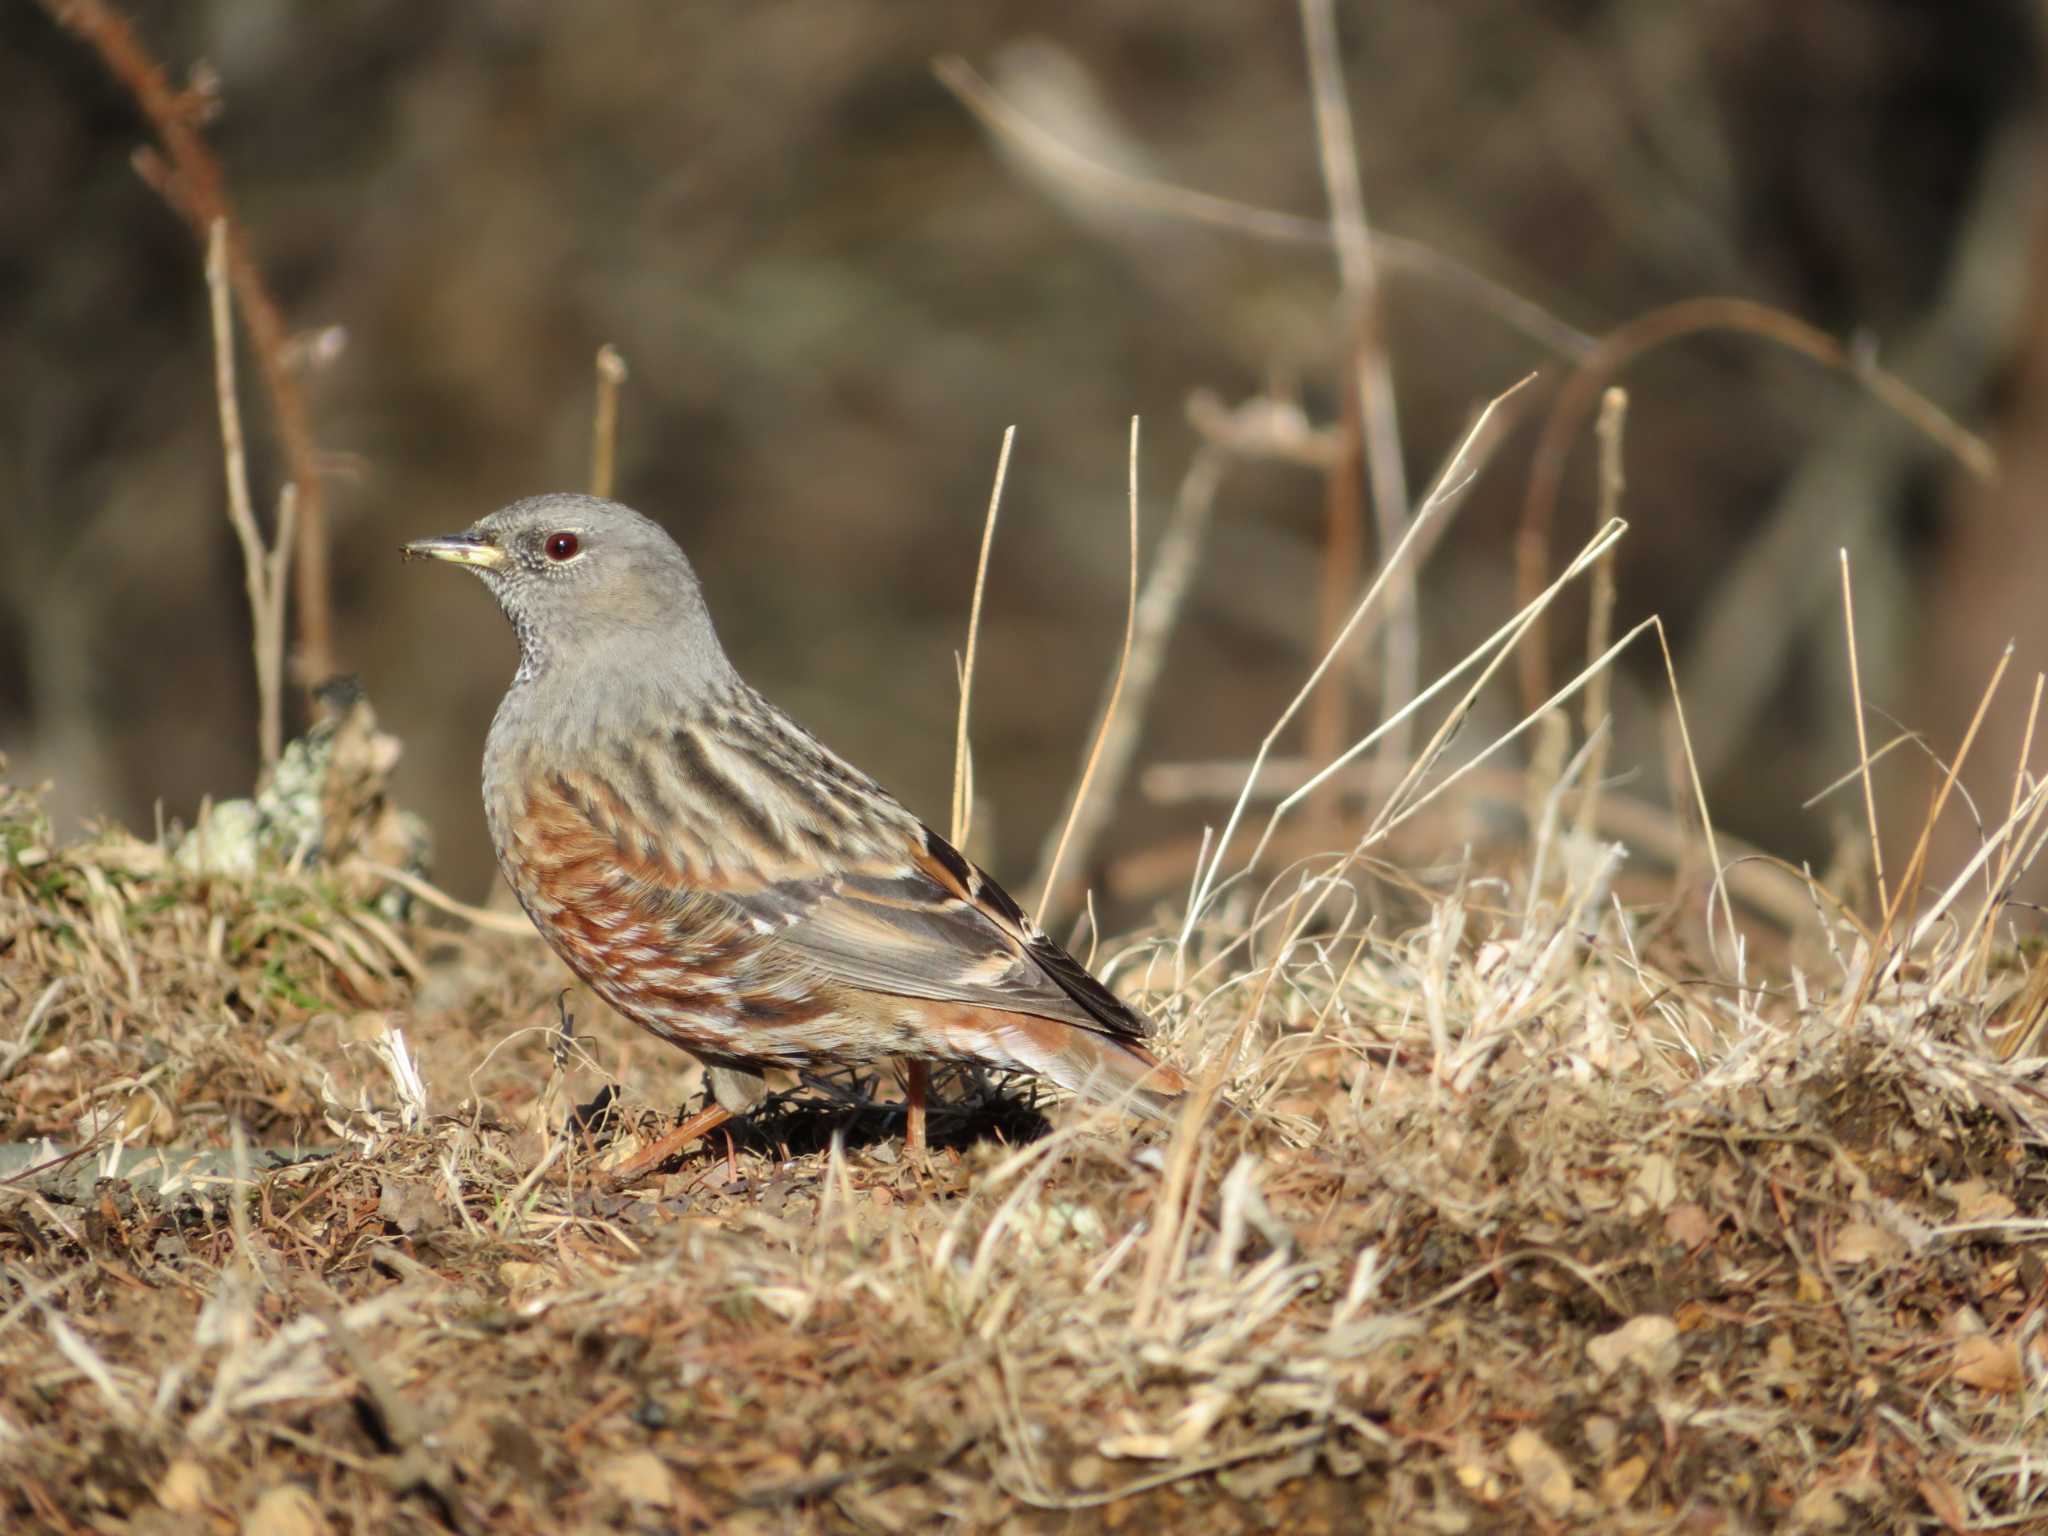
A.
pixel 1098 1067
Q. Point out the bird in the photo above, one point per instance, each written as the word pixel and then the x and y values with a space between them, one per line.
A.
pixel 722 878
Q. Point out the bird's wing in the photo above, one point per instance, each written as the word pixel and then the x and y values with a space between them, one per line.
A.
pixel 807 866
pixel 934 926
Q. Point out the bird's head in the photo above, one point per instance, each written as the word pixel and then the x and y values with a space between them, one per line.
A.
pixel 588 582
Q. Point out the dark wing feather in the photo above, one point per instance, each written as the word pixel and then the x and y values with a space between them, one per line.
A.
pixel 936 927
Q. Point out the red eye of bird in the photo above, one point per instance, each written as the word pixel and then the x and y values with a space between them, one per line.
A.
pixel 562 546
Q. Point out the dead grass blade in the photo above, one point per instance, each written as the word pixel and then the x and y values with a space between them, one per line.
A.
pixel 1457 477
pixel 1116 688
pixel 963 766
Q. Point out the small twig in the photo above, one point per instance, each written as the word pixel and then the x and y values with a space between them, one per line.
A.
pixel 1884 899
pixel 604 442
pixel 963 770
pixel 260 567
pixel 514 924
pixel 1365 333
pixel 1600 609
pixel 277 571
pixel 1116 689
pixel 1329 714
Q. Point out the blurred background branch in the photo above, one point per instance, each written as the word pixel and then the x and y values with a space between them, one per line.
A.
pixel 186 174
pixel 834 307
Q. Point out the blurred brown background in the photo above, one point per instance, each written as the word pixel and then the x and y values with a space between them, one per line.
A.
pixel 834 291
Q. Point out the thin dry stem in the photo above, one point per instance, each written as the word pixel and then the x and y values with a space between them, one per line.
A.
pixel 1600 607
pixel 2010 848
pixel 1907 738
pixel 963 768
pixel 515 924
pixel 1170 1218
pixel 1343 557
pixel 1882 964
pixel 604 437
pixel 1699 790
pixel 1372 371
pixel 1884 900
pixel 1457 477
pixel 1397 806
pixel 2019 773
pixel 1109 715
pixel 281 561
pixel 2003 838
pixel 260 567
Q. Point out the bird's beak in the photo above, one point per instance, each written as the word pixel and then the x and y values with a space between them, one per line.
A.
pixel 462 548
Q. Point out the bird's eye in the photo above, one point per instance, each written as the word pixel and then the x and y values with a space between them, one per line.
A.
pixel 562 546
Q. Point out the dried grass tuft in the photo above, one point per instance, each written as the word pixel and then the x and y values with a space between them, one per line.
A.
pixel 1520 1220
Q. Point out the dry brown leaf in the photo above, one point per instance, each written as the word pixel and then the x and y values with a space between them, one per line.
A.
pixel 1476 1480
pixel 286 1510
pixel 1545 1477
pixel 185 1488
pixel 523 1275
pixel 1649 1343
pixel 1988 1364
pixel 1655 1185
pixel 147 1118
pixel 1963 1322
pixel 1862 1243
pixel 1977 1201
pixel 1618 1484
pixel 1688 1224
pixel 1821 1509
pixel 638 1477
pixel 1944 1501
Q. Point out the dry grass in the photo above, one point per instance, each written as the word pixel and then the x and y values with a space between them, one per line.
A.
pixel 1521 1224
pixel 1522 1218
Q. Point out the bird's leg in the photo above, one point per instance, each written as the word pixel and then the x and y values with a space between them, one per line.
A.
pixel 917 1083
pixel 644 1162
pixel 564 1040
